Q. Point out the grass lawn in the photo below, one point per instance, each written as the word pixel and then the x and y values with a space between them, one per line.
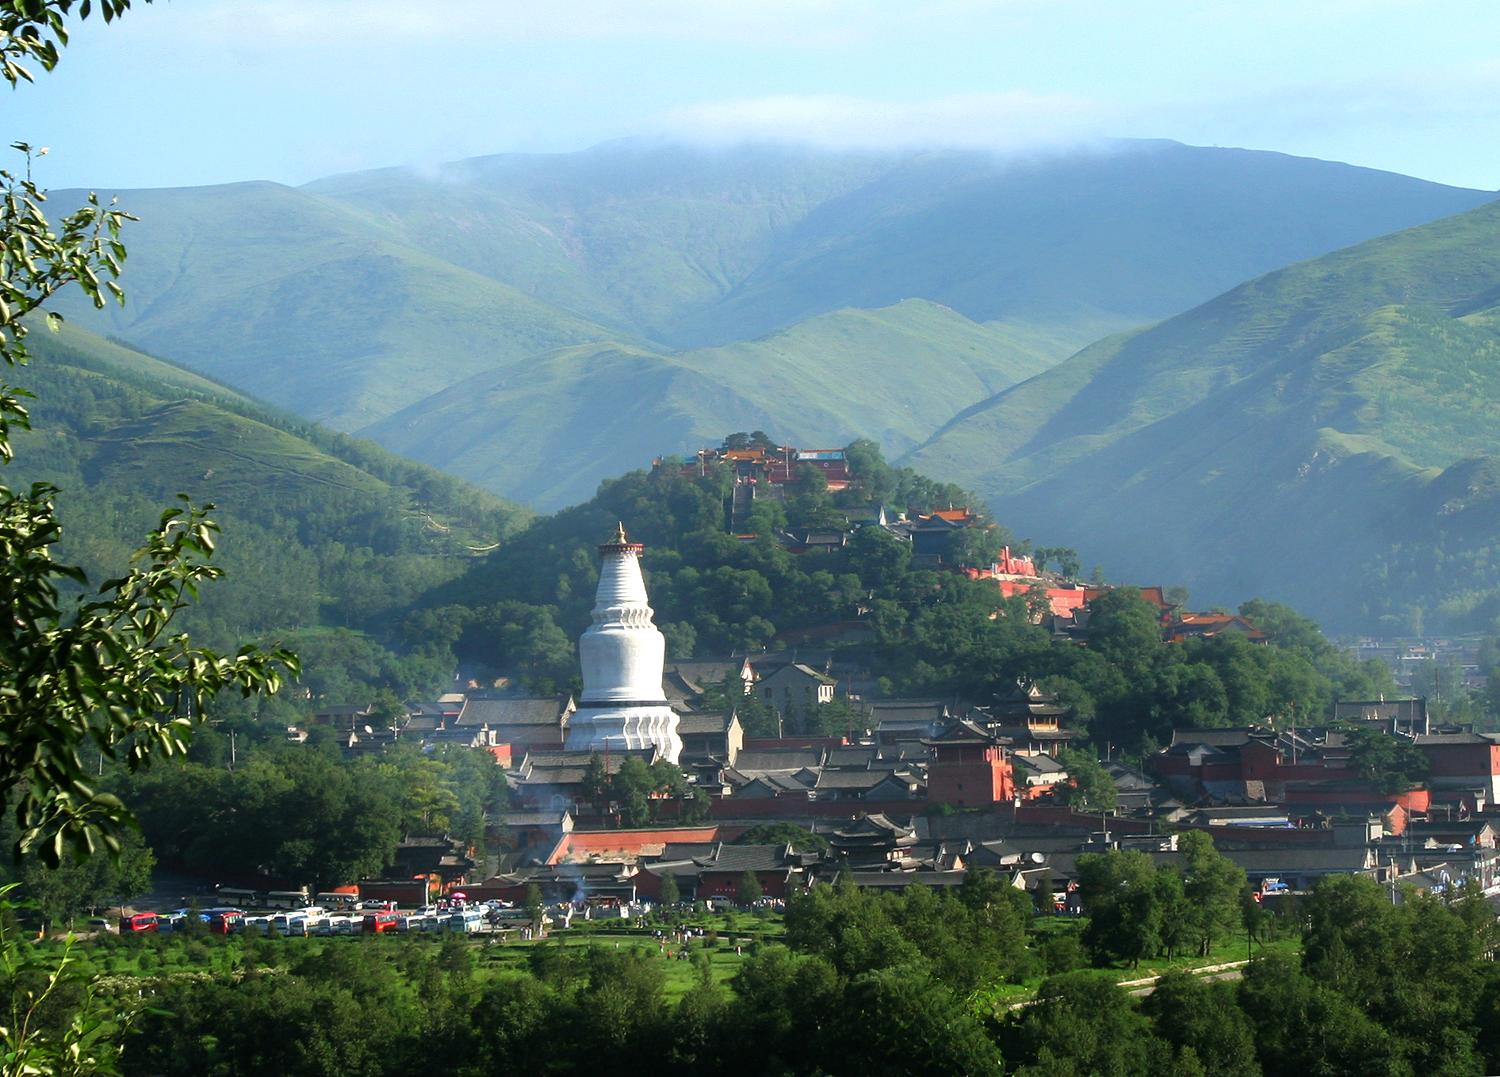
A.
pixel 173 955
pixel 681 975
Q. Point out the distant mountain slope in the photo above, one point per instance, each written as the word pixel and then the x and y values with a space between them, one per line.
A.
pixel 550 431
pixel 1325 433
pixel 687 247
pixel 634 235
pixel 309 306
pixel 319 529
pixel 356 297
pixel 1130 233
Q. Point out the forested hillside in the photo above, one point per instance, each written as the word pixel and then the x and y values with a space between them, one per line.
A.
pixel 326 540
pixel 931 633
pixel 385 576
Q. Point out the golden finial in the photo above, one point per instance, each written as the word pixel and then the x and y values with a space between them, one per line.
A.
pixel 620 539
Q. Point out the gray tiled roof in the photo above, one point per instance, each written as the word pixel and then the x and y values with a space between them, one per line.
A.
pixel 515 710
pixel 702 724
pixel 765 759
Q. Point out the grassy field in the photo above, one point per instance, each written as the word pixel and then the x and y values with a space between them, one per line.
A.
pixel 148 956
pixel 219 957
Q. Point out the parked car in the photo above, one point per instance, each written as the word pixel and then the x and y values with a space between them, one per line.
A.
pixel 103 925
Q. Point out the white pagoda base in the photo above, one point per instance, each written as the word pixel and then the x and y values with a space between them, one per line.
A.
pixel 600 727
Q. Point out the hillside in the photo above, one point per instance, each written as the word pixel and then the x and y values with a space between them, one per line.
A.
pixel 549 432
pixel 361 296
pixel 309 306
pixel 320 531
pixel 1324 434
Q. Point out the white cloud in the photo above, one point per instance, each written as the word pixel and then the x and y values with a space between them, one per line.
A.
pixel 1003 121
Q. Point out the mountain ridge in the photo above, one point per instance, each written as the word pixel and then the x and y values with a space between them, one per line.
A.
pixel 1214 445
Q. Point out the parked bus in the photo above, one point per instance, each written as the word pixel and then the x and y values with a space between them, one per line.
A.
pixel 290 923
pixel 335 901
pixel 248 899
pixel 287 899
pixel 222 921
pixel 378 923
pixel 138 921
pixel 466 920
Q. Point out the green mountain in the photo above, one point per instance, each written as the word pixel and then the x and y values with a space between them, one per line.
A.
pixel 358 297
pixel 1327 434
pixel 309 306
pixel 892 374
pixel 321 533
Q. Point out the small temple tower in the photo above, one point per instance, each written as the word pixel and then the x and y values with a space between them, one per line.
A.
pixel 622 705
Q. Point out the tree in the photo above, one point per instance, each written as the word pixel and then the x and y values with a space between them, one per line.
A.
pixel 799 838
pixel 1202 1017
pixel 1082 1024
pixel 105 669
pixel 1089 785
pixel 1213 886
pixel 63 892
pixel 749 891
pixel 1120 895
pixel 1394 764
pixel 84 1042
pixel 670 894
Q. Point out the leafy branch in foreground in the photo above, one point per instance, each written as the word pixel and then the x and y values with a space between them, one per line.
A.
pixel 52 1022
pixel 34 30
pixel 106 673
pixel 103 670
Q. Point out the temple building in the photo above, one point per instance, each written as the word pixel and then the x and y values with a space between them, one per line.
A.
pixel 622 653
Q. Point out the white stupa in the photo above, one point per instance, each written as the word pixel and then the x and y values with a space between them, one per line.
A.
pixel 622 705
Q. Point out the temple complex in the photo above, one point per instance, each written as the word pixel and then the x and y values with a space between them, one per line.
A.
pixel 622 653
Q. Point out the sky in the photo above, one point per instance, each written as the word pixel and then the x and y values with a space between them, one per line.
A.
pixel 186 92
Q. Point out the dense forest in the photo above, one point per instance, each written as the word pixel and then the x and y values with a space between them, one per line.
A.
pixel 1344 982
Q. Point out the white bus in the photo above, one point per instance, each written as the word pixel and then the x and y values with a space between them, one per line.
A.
pixel 336 902
pixel 287 899
pixel 466 920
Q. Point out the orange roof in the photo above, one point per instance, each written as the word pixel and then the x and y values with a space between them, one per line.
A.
pixel 1153 595
pixel 952 514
